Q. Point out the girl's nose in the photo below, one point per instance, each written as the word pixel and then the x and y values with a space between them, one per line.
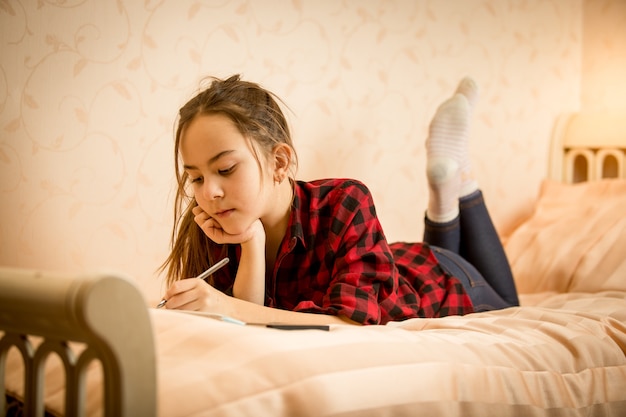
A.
pixel 212 190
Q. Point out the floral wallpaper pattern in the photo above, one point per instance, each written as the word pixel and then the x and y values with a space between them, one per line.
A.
pixel 89 91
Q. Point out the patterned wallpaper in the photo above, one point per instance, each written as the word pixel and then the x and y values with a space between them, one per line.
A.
pixel 604 56
pixel 89 91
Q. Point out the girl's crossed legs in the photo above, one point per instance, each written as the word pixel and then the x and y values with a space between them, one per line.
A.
pixel 457 222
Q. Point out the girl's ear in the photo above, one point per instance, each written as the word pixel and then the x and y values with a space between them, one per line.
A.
pixel 282 155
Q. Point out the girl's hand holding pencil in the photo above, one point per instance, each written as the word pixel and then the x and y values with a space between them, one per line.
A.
pixel 203 276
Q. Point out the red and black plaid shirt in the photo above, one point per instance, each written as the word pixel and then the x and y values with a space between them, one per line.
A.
pixel 334 259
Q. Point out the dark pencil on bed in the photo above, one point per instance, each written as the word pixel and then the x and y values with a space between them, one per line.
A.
pixel 202 276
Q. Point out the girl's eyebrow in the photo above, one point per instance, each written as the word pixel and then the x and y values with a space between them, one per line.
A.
pixel 211 160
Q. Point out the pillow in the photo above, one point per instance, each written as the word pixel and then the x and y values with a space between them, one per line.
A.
pixel 575 241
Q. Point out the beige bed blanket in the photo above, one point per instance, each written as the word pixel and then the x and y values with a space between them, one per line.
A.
pixel 563 353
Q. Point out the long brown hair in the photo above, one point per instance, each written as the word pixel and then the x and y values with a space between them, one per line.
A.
pixel 258 117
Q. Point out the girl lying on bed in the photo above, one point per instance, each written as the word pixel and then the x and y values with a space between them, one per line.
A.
pixel 298 248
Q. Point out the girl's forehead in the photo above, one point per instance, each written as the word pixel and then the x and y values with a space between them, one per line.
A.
pixel 211 129
pixel 212 134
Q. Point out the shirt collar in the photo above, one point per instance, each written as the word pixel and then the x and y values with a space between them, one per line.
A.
pixel 296 228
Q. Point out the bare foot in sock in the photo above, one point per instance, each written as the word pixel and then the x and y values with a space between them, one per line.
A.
pixel 446 151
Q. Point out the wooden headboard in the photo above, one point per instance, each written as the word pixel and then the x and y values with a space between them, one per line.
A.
pixel 588 147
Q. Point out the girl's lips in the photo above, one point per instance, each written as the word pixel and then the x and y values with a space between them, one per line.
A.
pixel 223 213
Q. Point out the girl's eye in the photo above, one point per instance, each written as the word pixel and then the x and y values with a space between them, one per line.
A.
pixel 195 180
pixel 227 171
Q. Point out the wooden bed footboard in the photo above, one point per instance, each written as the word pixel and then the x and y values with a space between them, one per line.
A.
pixel 105 312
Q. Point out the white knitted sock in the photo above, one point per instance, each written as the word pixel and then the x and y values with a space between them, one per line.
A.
pixel 468 88
pixel 446 152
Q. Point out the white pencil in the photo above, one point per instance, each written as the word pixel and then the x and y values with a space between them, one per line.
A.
pixel 202 276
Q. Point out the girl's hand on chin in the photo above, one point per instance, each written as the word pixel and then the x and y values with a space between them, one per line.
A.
pixel 214 231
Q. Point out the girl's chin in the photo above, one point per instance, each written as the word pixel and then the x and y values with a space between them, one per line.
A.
pixel 233 228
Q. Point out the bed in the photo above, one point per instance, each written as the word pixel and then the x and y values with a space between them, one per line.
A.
pixel 87 344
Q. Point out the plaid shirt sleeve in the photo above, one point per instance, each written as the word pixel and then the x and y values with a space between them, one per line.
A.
pixel 362 281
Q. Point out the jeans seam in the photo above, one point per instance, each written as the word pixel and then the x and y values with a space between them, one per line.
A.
pixel 483 307
pixel 460 266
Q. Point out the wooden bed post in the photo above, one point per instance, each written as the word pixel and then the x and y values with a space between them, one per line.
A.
pixel 105 312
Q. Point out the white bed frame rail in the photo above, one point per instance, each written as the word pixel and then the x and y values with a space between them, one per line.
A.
pixel 588 147
pixel 105 312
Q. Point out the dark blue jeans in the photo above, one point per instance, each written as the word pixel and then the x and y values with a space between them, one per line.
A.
pixel 469 248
